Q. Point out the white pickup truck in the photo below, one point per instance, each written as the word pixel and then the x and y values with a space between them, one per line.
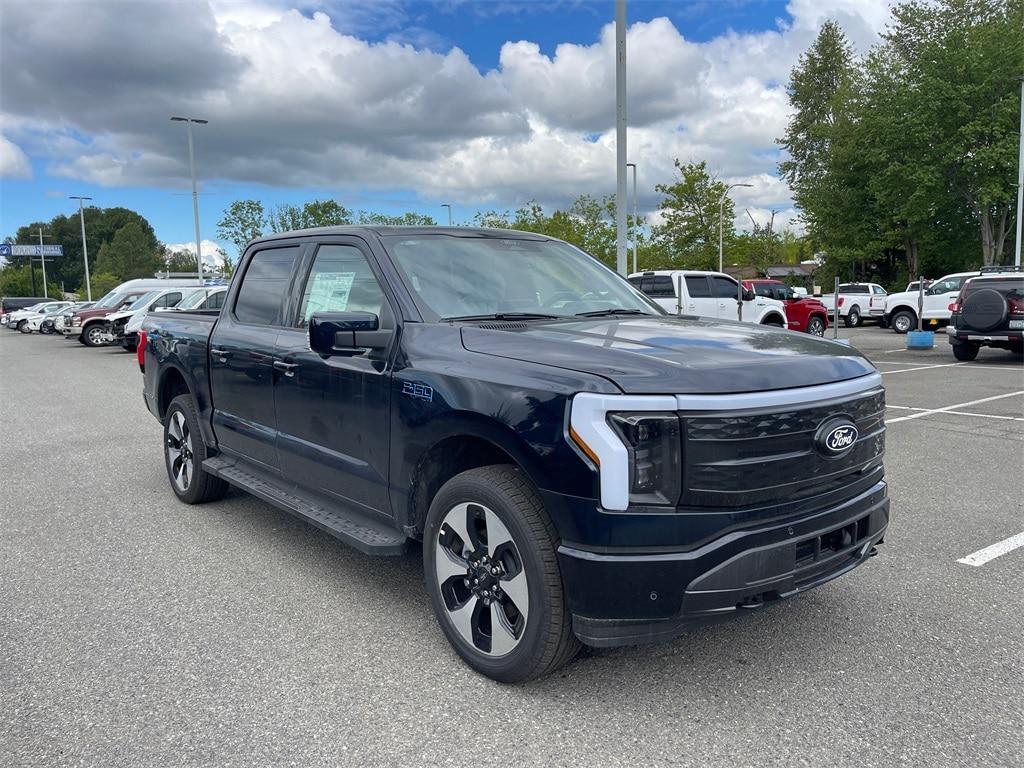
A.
pixel 856 301
pixel 707 294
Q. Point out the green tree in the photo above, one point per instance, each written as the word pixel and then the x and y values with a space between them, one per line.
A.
pixel 179 261
pixel 17 281
pixel 130 254
pixel 315 213
pixel 102 284
pixel 242 222
pixel 408 219
pixel 688 234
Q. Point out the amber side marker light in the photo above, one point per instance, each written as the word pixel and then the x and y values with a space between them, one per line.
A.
pixel 584 447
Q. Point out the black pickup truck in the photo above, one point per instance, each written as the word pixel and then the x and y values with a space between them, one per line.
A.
pixel 579 465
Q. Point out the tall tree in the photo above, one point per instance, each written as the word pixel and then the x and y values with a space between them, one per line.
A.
pixel 315 213
pixel 408 219
pixel 241 222
pixel 130 254
pixel 690 217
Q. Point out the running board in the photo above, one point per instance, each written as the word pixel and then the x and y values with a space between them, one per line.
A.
pixel 354 528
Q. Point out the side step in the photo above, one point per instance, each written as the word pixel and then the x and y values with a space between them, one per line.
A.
pixel 354 528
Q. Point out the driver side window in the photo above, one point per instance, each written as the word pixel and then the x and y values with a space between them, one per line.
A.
pixel 340 281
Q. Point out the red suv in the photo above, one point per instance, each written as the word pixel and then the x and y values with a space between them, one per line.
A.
pixel 805 313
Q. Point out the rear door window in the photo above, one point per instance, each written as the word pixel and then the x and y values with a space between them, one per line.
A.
pixel 261 296
pixel 659 287
pixel 216 301
pixel 167 300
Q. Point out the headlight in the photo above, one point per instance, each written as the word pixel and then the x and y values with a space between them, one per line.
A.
pixel 655 466
pixel 76 321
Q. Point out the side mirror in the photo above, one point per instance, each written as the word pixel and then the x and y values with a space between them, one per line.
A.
pixel 346 333
pixel 748 295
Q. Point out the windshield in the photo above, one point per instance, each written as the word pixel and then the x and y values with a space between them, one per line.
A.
pixel 193 301
pixel 142 301
pixel 460 277
pixel 110 300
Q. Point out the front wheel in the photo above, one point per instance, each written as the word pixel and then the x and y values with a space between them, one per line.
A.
pixel 493 577
pixel 185 452
pixel 903 321
pixel 816 326
pixel 92 335
pixel 852 318
pixel 965 352
pixel 23 327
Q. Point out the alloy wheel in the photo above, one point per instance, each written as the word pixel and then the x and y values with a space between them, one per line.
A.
pixel 902 323
pixel 179 451
pixel 482 579
pixel 816 327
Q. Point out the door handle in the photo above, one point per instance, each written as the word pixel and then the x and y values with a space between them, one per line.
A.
pixel 287 368
pixel 223 354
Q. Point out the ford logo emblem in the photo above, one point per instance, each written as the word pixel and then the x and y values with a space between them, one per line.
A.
pixel 837 438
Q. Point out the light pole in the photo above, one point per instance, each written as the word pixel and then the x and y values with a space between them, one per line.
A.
pixel 633 166
pixel 620 137
pixel 42 259
pixel 85 248
pixel 1020 175
pixel 449 207
pixel 721 214
pixel 195 194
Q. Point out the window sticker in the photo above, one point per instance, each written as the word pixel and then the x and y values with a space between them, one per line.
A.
pixel 328 292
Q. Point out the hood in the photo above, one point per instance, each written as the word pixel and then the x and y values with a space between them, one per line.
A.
pixel 903 296
pixel 114 316
pixel 88 314
pixel 669 355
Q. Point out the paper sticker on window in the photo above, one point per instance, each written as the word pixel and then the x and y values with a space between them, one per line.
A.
pixel 328 292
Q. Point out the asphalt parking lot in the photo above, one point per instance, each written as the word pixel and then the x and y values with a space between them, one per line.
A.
pixel 138 631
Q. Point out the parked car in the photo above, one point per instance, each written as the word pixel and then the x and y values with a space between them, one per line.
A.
pixel 116 323
pixel 707 294
pixel 19 320
pixel 901 308
pixel 856 300
pixel 989 312
pixel 10 304
pixel 88 325
pixel 915 285
pixel 54 323
pixel 579 465
pixel 803 313
pixel 34 321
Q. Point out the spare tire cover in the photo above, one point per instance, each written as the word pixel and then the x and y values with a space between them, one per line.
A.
pixel 984 310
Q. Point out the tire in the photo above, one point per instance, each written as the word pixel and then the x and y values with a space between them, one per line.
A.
pixel 853 318
pixel 91 335
pixel 984 310
pixel 130 346
pixel 23 327
pixel 188 480
pixel 497 502
pixel 816 326
pixel 903 321
pixel 965 352
pixel 773 321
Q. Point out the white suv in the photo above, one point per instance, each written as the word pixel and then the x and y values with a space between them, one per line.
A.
pixel 707 294
pixel 901 308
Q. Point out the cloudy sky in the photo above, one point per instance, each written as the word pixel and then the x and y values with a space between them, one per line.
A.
pixel 390 105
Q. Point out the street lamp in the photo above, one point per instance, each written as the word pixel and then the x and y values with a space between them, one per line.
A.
pixel 721 214
pixel 1020 175
pixel 195 195
pixel 449 207
pixel 85 249
pixel 633 166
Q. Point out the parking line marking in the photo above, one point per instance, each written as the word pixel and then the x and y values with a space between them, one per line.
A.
pixel 982 556
pixel 949 408
pixel 959 413
pixel 922 368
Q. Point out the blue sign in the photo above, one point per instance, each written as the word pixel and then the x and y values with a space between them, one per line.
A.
pixel 5 250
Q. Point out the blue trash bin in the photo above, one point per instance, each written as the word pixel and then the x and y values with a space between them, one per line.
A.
pixel 921 340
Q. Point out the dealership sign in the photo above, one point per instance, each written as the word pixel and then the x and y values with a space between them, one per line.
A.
pixel 31 250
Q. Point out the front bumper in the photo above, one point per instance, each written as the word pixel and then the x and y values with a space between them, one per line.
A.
pixel 71 330
pixel 623 598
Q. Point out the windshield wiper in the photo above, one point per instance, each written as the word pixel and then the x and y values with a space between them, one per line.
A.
pixel 504 316
pixel 607 312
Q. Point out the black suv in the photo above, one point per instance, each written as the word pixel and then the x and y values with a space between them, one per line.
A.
pixel 988 313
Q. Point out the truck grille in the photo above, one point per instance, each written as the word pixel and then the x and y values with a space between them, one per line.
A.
pixel 754 458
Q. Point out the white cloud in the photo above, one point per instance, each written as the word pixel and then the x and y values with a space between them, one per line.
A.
pixel 14 163
pixel 212 251
pixel 347 115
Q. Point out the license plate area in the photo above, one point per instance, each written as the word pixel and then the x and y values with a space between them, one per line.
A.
pixel 1017 325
